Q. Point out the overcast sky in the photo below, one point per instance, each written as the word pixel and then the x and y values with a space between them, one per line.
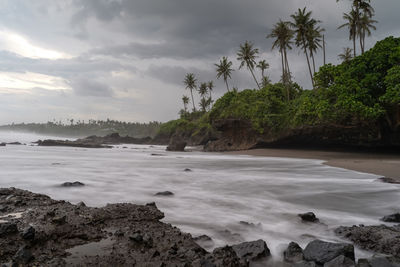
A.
pixel 126 59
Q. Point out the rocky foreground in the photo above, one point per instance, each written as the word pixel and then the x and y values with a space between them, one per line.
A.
pixel 36 230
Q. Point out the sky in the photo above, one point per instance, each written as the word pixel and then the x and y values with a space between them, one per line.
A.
pixel 126 59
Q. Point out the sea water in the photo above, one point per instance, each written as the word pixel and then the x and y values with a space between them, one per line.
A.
pixel 230 198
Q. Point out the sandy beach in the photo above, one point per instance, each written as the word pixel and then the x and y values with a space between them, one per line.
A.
pixel 385 165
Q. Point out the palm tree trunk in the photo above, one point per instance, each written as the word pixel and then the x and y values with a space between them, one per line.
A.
pixel 354 44
pixel 252 73
pixel 283 67
pixel 191 92
pixel 323 44
pixel 227 87
pixel 308 63
pixel 313 61
pixel 287 67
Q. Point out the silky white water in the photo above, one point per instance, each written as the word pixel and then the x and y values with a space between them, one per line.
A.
pixel 219 192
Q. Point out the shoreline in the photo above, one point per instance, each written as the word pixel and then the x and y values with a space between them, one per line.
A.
pixel 381 164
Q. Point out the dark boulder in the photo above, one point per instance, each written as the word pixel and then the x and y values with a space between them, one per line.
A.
pixel 3 144
pixel 72 184
pixel 28 233
pixel 340 261
pixel 164 194
pixel 176 144
pixel 322 252
pixel 293 253
pixel 204 241
pixel 8 228
pixel 253 250
pixel 308 217
pixel 187 170
pixel 377 262
pixel 393 218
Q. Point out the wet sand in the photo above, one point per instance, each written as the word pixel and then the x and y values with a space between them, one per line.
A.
pixel 383 164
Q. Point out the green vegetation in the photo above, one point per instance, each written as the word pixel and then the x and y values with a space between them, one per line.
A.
pixel 92 127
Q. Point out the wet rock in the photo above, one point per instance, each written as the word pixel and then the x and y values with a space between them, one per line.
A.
pixel 81 204
pixel 164 194
pixel 187 170
pixel 305 264
pixel 253 250
pixel 231 237
pixel 340 261
pixel 23 256
pixel 176 144
pixel 204 241
pixel 72 184
pixel 225 256
pixel 379 238
pixel 376 262
pixel 157 154
pixel 3 208
pixel 14 143
pixel 389 180
pixel 251 225
pixel 293 253
pixel 136 237
pixel 28 233
pixel 394 218
pixel 3 144
pixel 308 217
pixel 59 220
pixel 322 252
pixel 8 228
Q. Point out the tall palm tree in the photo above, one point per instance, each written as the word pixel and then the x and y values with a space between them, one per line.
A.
pixel 210 86
pixel 351 24
pixel 365 26
pixel 314 39
pixel 190 83
pixel 262 65
pixel 185 101
pixel 203 91
pixel 224 69
pixel 346 55
pixel 302 22
pixel 283 35
pixel 247 55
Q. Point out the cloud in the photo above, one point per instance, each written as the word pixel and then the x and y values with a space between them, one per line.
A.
pixel 85 87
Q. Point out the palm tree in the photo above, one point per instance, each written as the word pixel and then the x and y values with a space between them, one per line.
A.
pixel 262 65
pixel 185 101
pixel 204 103
pixel 247 56
pixel 203 91
pixel 365 26
pixel 283 34
pixel 314 39
pixel 210 86
pixel 224 69
pixel 351 24
pixel 302 22
pixel 346 55
pixel 190 83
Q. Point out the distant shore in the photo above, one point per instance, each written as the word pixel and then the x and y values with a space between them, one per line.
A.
pixel 382 164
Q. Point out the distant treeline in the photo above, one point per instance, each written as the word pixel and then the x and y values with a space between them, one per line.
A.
pixel 92 127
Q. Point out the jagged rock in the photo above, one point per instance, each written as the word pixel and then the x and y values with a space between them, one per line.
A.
pixel 376 262
pixel 340 261
pixel 23 256
pixel 389 180
pixel 251 225
pixel 72 184
pixel 253 250
pixel 394 218
pixel 379 238
pixel 293 253
pixel 164 194
pixel 28 233
pixel 308 217
pixel 322 252
pixel 204 241
pixel 59 220
pixel 8 228
pixel 176 144
pixel 305 264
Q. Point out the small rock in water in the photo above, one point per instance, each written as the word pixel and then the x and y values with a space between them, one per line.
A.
pixel 293 253
pixel 204 241
pixel 8 228
pixel 251 225
pixel 164 194
pixel 322 252
pixel 340 261
pixel 253 250
pixel 394 218
pixel 29 233
pixel 72 184
pixel 156 154
pixel 308 217
pixel 187 170
pixel 2 144
pixel 389 180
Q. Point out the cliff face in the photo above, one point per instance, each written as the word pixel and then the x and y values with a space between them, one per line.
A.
pixel 239 135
